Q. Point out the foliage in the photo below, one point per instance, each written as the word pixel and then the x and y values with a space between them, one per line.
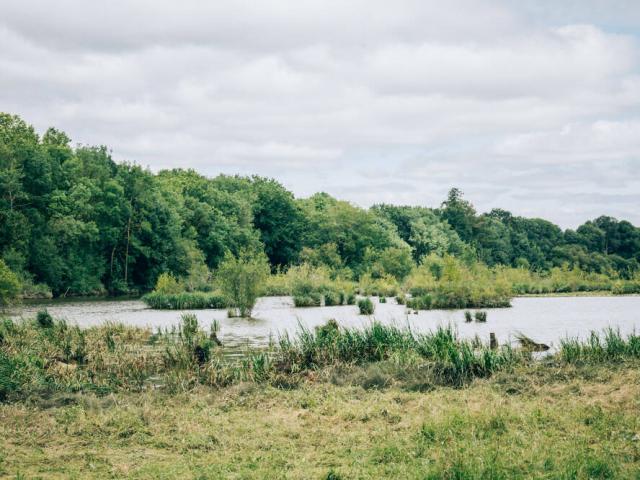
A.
pixel 446 282
pixel 186 300
pixel 241 278
pixel 167 285
pixel 366 306
pixel 75 222
pixel 10 286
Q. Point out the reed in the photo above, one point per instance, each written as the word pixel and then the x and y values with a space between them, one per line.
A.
pixel 600 347
pixel 366 306
pixel 185 300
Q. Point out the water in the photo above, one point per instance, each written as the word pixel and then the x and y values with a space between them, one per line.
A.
pixel 544 319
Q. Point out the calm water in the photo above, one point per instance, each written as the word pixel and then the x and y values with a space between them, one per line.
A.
pixel 544 319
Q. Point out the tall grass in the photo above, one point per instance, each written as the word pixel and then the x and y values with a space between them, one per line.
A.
pixel 185 300
pixel 600 347
pixel 41 357
pixel 446 358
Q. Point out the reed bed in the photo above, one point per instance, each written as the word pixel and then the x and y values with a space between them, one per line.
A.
pixel 185 300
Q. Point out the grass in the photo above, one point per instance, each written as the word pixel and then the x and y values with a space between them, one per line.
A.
pixel 366 306
pixel 531 423
pixel 185 300
pixel 611 345
pixel 376 402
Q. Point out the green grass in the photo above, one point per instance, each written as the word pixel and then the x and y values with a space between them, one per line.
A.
pixel 366 306
pixel 608 346
pixel 375 402
pixel 185 300
pixel 569 424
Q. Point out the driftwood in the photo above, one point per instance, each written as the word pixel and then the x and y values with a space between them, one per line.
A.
pixel 531 345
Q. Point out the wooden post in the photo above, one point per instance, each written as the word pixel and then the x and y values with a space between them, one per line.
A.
pixel 493 342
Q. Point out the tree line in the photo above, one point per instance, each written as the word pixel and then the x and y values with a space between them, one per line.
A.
pixel 75 222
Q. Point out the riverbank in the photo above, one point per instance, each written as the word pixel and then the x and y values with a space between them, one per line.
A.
pixel 531 422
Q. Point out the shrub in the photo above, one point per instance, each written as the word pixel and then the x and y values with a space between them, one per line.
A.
pixel 332 298
pixel 626 288
pixel 277 285
pixel 241 279
pixel 10 286
pixel 366 306
pixel 167 284
pixel 312 299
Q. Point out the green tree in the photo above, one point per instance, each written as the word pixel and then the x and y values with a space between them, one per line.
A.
pixel 396 261
pixel 279 220
pixel 241 279
pixel 10 287
pixel 460 214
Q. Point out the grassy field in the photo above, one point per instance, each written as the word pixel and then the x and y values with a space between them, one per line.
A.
pixel 329 403
pixel 532 422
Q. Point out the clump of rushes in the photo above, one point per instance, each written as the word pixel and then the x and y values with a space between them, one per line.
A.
pixel 332 298
pixel 608 346
pixel 468 317
pixel 401 299
pixel 383 300
pixel 185 300
pixel 43 319
pixel 311 299
pixel 481 317
pixel 366 306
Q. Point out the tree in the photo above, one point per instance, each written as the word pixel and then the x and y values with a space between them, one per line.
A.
pixel 241 279
pixel 396 261
pixel 10 287
pixel 460 214
pixel 279 221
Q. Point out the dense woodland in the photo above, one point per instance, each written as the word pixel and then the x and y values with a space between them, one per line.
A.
pixel 75 222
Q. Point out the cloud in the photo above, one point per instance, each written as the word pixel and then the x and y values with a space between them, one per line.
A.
pixel 524 105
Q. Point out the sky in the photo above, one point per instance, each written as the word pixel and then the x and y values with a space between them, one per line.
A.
pixel 529 106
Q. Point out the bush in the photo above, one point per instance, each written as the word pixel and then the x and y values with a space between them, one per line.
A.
pixel 10 286
pixel 626 288
pixel 241 279
pixel 185 300
pixel 277 285
pixel 312 299
pixel 366 306
pixel 332 298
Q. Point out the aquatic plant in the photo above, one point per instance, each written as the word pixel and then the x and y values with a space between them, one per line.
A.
pixel 366 306
pixel 185 300
pixel 43 319
pixel 311 299
pixel 599 347
pixel 481 317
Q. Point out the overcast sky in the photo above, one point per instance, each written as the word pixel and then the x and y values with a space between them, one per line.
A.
pixel 531 106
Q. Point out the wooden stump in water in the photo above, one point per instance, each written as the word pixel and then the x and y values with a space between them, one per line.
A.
pixel 493 341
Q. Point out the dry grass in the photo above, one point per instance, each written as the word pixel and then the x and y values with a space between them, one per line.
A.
pixel 535 422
